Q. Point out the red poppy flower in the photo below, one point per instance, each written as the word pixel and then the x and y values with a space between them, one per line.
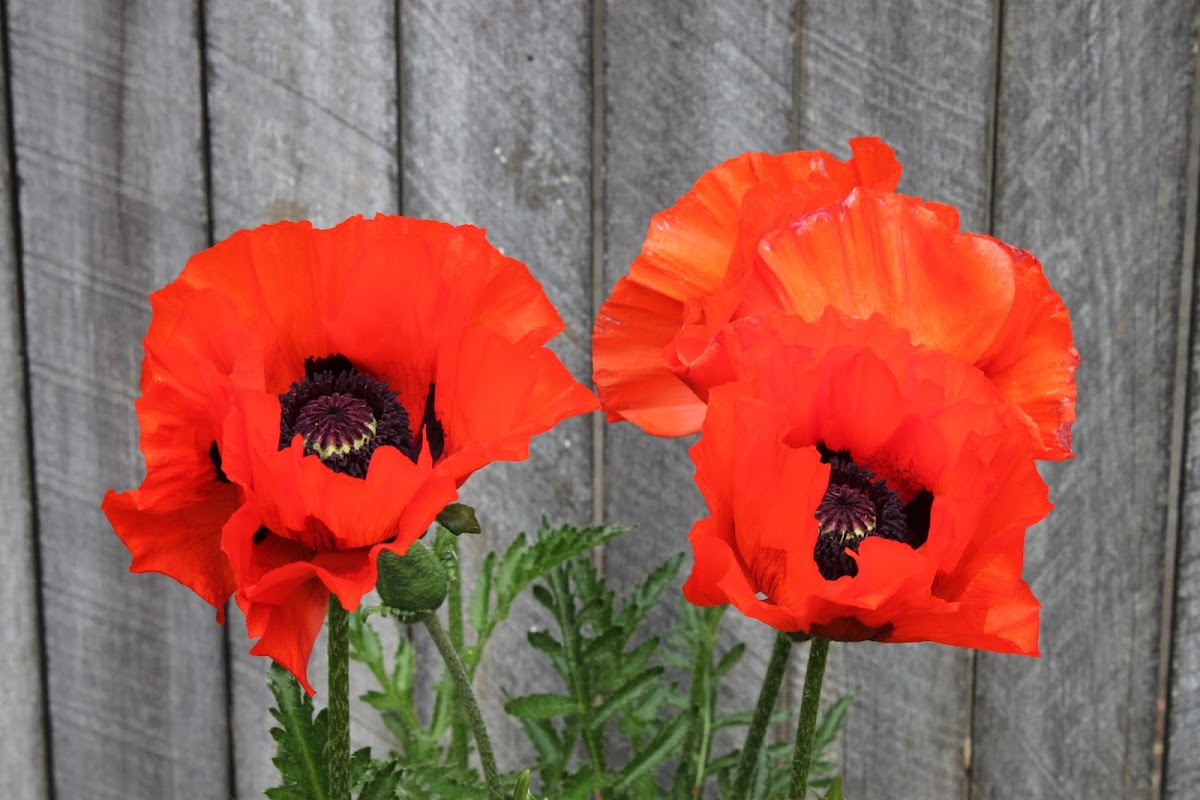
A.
pixel 860 487
pixel 333 388
pixel 864 252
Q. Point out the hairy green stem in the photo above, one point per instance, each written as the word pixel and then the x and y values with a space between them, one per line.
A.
pixel 807 728
pixel 337 745
pixel 767 696
pixel 706 736
pixel 466 696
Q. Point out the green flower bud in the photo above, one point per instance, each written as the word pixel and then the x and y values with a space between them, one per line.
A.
pixel 414 583
pixel 459 518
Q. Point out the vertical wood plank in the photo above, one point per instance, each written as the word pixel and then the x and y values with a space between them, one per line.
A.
pixel 1182 589
pixel 23 766
pixel 107 121
pixel 496 132
pixel 302 123
pixel 1183 733
pixel 1092 148
pixel 918 74
pixel 688 86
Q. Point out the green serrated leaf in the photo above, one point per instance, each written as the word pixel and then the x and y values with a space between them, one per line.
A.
pixel 425 781
pixel 404 669
pixel 360 764
pixel 286 793
pixel 364 643
pixel 381 701
pixel 583 784
pixel 543 596
pixel 543 641
pixel 383 784
pixel 479 606
pixel 512 561
pixel 610 643
pixel 835 789
pixel 730 659
pixel 637 658
pixel 525 562
pixel 646 596
pixel 623 697
pixel 521 790
pixel 605 679
pixel 300 741
pixel 545 740
pixel 659 750
pixel 541 706
pixel 833 720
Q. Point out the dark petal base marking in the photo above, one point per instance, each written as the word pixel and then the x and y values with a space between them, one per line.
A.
pixel 214 454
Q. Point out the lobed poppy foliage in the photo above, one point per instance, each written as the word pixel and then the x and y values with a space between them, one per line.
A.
pixel 872 386
pixel 311 398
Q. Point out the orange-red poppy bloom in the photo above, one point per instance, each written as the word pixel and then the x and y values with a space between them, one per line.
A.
pixel 746 240
pixel 313 397
pixel 860 487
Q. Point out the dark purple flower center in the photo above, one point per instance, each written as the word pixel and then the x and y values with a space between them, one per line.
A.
pixel 847 511
pixel 343 415
pixel 857 506
pixel 335 424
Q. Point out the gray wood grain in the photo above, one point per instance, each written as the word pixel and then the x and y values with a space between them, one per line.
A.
pixel 1092 139
pixel 688 85
pixel 496 132
pixel 1182 740
pixel 23 765
pixel 1183 735
pixel 1183 732
pixel 303 125
pixel 918 74
pixel 107 118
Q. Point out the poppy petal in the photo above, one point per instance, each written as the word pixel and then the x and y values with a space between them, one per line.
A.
pixel 180 540
pixel 888 254
pixel 1034 358
pixel 687 256
pixel 529 393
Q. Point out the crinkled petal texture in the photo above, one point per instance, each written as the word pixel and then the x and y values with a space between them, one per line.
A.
pixel 802 231
pixel 970 296
pixel 918 419
pixel 453 329
pixel 172 523
pixel 697 247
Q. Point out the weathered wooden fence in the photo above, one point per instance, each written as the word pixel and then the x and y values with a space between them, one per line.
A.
pixel 138 132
